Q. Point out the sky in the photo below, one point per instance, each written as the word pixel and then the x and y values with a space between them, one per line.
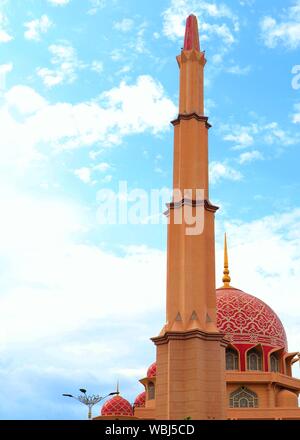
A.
pixel 87 92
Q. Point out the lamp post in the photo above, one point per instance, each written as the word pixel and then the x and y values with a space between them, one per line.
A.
pixel 89 400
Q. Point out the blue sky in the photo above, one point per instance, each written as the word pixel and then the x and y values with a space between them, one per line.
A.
pixel 87 90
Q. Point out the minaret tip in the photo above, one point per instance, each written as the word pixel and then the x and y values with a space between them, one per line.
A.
pixel 191 38
pixel 226 277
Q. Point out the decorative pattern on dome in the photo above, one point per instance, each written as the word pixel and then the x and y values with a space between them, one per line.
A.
pixel 140 400
pixel 151 372
pixel 246 319
pixel 117 406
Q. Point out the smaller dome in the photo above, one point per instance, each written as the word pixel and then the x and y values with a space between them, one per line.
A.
pixel 246 319
pixel 116 406
pixel 151 372
pixel 140 400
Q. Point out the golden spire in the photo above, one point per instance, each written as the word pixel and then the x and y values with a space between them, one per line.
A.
pixel 226 278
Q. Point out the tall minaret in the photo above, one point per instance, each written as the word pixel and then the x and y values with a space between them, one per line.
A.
pixel 190 378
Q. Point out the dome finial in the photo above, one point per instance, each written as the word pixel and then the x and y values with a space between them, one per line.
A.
pixel 226 277
pixel 118 391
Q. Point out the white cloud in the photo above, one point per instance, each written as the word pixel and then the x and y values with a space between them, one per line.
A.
pixel 124 25
pixel 273 134
pixel 51 273
pixel 284 31
pixel 238 70
pixel 97 66
pixel 107 179
pixel 207 12
pixel 222 31
pixel 25 100
pixel 247 2
pixel 250 156
pixel 96 5
pixel 4 70
pixel 5 37
pixel 138 42
pixel 103 166
pixel 104 121
pixel 270 133
pixel 209 105
pixel 37 27
pixel 85 173
pixel 242 140
pixel 123 70
pixel 296 115
pixel 129 372
pixel 221 170
pixel 155 111
pixel 58 2
pixel 66 63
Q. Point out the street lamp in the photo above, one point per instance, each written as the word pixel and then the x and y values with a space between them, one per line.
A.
pixel 89 401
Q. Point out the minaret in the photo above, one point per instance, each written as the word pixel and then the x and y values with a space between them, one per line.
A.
pixel 190 378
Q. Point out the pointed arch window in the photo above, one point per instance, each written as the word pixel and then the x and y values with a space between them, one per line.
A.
pixel 243 398
pixel 274 363
pixel 151 391
pixel 232 359
pixel 254 360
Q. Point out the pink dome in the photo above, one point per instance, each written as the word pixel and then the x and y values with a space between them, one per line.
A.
pixel 116 406
pixel 151 372
pixel 140 400
pixel 246 319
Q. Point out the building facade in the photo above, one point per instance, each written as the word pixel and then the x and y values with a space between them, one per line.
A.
pixel 222 353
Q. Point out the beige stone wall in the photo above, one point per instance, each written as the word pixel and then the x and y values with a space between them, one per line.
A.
pixel 190 379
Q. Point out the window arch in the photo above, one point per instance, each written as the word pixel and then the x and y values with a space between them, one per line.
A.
pixel 274 363
pixel 254 360
pixel 151 391
pixel 243 398
pixel 232 359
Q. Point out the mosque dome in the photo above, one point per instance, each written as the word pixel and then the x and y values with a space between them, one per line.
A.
pixel 246 322
pixel 140 400
pixel 246 319
pixel 151 372
pixel 117 406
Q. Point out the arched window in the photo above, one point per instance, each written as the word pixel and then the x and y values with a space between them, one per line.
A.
pixel 274 363
pixel 232 359
pixel 243 398
pixel 254 360
pixel 151 391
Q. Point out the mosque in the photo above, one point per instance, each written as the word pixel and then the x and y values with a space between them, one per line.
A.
pixel 223 353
